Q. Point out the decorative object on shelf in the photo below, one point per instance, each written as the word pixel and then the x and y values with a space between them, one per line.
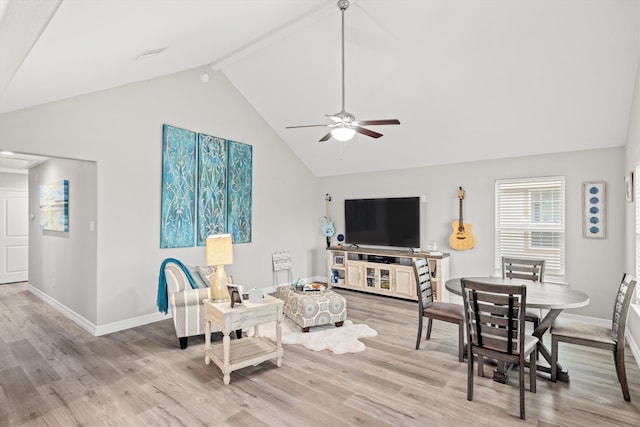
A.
pixel 344 125
pixel 593 209
pixel 235 294
pixel 54 206
pixel 431 246
pixel 327 227
pixel 338 260
pixel 628 187
pixel 340 239
pixel 461 238
pixel 177 223
pixel 219 253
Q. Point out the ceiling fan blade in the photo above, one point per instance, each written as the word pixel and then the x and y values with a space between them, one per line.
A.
pixel 379 122
pixel 305 126
pixel 325 138
pixel 368 132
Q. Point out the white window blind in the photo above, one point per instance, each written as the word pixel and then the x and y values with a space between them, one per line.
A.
pixel 530 222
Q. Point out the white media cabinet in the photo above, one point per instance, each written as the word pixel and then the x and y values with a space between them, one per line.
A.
pixel 384 271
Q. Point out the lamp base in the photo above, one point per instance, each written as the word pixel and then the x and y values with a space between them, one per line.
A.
pixel 218 291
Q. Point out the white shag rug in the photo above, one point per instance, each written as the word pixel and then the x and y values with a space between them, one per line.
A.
pixel 327 337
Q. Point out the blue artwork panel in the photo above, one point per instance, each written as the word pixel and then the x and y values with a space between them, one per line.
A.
pixel 212 186
pixel 177 225
pixel 54 206
pixel 239 192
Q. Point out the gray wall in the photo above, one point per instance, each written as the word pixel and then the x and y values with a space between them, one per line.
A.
pixel 63 265
pixel 632 159
pixel 121 130
pixel 440 185
pixel 14 181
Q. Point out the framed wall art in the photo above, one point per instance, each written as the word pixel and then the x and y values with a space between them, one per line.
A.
pixel 54 206
pixel 593 209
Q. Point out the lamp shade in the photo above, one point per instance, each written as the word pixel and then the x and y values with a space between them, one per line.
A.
pixel 343 133
pixel 219 250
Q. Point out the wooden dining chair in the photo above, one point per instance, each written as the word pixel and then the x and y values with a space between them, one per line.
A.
pixel 587 334
pixel 427 307
pixel 495 319
pixel 526 269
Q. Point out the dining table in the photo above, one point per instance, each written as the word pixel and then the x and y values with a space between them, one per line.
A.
pixel 548 296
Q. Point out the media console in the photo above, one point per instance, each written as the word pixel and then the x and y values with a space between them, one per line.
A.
pixel 384 271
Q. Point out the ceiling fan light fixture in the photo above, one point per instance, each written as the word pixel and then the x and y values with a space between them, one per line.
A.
pixel 343 133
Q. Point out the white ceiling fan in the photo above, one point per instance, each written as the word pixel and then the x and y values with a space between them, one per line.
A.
pixel 344 124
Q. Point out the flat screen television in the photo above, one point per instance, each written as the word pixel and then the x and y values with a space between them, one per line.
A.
pixel 383 222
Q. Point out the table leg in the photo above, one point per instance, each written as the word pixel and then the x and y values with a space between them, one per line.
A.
pixel 279 343
pixel 226 344
pixel 207 341
pixel 544 326
pixel 501 373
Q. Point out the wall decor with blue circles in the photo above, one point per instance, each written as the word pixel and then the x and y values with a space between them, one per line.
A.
pixel 593 209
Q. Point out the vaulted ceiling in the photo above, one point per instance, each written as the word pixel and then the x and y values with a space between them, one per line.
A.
pixel 468 79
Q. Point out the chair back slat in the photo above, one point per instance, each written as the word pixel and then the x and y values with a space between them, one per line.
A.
pixel 495 315
pixel 520 268
pixel 423 282
pixel 621 306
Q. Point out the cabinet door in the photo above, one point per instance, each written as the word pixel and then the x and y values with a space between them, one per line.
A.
pixel 405 282
pixel 355 275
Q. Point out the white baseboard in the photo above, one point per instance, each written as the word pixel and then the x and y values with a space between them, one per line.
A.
pixel 89 326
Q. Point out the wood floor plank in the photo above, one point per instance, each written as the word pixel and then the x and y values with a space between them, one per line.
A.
pixel 53 373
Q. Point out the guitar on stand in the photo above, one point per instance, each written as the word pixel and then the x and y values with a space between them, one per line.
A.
pixel 461 238
pixel 327 227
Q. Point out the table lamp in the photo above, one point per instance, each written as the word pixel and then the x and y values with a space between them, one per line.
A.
pixel 219 253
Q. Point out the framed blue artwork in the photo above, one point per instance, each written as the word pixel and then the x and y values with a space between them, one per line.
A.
pixel 177 225
pixel 212 186
pixel 239 192
pixel 54 206
pixel 593 210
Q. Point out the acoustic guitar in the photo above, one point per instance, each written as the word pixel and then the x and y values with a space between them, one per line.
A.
pixel 461 238
pixel 327 227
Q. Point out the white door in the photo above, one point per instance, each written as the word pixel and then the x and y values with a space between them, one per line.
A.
pixel 14 236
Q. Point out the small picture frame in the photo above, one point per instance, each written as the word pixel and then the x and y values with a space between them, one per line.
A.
pixel 628 187
pixel 593 209
pixel 338 260
pixel 235 294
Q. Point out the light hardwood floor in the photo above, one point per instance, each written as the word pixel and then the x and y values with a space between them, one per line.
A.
pixel 54 373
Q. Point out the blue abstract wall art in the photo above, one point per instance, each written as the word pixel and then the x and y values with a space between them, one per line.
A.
pixel 212 186
pixel 177 228
pixel 239 191
pixel 54 206
pixel 214 171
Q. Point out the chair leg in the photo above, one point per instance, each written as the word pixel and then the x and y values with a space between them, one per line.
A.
pixel 554 358
pixel 533 363
pixel 430 324
pixel 521 381
pixel 183 342
pixel 419 332
pixel 622 374
pixel 469 373
pixel 461 342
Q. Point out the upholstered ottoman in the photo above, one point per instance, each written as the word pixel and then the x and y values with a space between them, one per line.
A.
pixel 309 309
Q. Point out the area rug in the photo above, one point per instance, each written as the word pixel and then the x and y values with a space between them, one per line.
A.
pixel 327 337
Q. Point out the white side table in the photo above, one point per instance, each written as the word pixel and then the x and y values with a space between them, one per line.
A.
pixel 240 353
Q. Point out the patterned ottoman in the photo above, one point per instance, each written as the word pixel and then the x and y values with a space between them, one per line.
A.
pixel 309 309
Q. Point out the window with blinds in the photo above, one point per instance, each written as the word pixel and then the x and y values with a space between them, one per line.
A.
pixel 530 222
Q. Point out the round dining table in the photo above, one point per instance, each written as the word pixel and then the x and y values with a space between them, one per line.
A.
pixel 544 295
